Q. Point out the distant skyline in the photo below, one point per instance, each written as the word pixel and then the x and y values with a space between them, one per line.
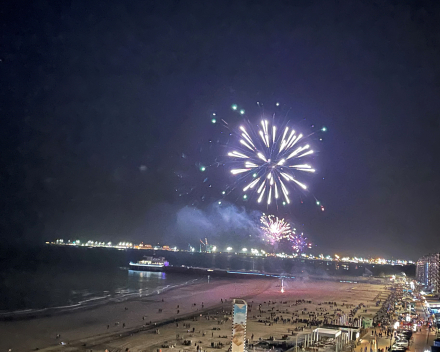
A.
pixel 107 105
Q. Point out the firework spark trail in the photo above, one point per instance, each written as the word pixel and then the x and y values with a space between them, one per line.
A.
pixel 275 229
pixel 271 161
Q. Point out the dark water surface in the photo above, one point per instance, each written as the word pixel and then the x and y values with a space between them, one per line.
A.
pixel 49 287
pixel 60 276
pixel 65 277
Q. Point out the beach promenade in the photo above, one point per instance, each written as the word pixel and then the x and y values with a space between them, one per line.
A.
pixel 421 340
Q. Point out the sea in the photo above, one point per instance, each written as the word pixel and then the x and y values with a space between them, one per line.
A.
pixel 51 279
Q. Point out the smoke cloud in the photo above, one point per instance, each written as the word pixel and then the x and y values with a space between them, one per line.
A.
pixel 220 224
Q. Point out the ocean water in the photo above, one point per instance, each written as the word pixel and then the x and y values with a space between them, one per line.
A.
pixel 52 289
pixel 50 279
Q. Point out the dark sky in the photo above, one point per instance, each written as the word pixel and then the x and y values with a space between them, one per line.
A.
pixel 91 91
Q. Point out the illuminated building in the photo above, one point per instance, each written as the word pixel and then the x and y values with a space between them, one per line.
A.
pixel 428 271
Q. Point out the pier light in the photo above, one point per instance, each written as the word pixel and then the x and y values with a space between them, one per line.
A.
pixel 229 249
pixel 244 250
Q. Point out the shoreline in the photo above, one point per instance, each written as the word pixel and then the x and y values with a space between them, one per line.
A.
pixel 89 305
pixel 123 318
pixel 263 300
pixel 30 314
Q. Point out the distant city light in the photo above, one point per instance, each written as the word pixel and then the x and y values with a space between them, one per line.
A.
pixel 125 245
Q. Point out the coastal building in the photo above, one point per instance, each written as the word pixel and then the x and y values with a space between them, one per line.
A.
pixel 428 272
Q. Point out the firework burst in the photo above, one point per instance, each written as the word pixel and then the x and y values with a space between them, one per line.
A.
pixel 270 161
pixel 275 229
pixel 299 242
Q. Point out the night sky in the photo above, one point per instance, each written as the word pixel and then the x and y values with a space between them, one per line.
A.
pixel 106 105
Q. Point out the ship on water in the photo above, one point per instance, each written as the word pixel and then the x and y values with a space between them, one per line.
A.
pixel 150 263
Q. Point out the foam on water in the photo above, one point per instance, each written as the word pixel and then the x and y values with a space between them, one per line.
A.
pixel 87 298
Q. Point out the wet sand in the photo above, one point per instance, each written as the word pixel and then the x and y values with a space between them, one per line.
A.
pixel 90 327
pixel 76 327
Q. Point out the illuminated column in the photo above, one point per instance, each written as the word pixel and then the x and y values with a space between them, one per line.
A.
pixel 238 342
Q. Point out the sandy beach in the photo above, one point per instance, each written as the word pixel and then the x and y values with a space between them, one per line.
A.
pixel 110 320
pixel 117 327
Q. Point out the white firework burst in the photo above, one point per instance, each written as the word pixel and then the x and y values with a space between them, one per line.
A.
pixel 275 229
pixel 270 161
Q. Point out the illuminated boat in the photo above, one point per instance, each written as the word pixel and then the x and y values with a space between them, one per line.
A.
pixel 149 264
